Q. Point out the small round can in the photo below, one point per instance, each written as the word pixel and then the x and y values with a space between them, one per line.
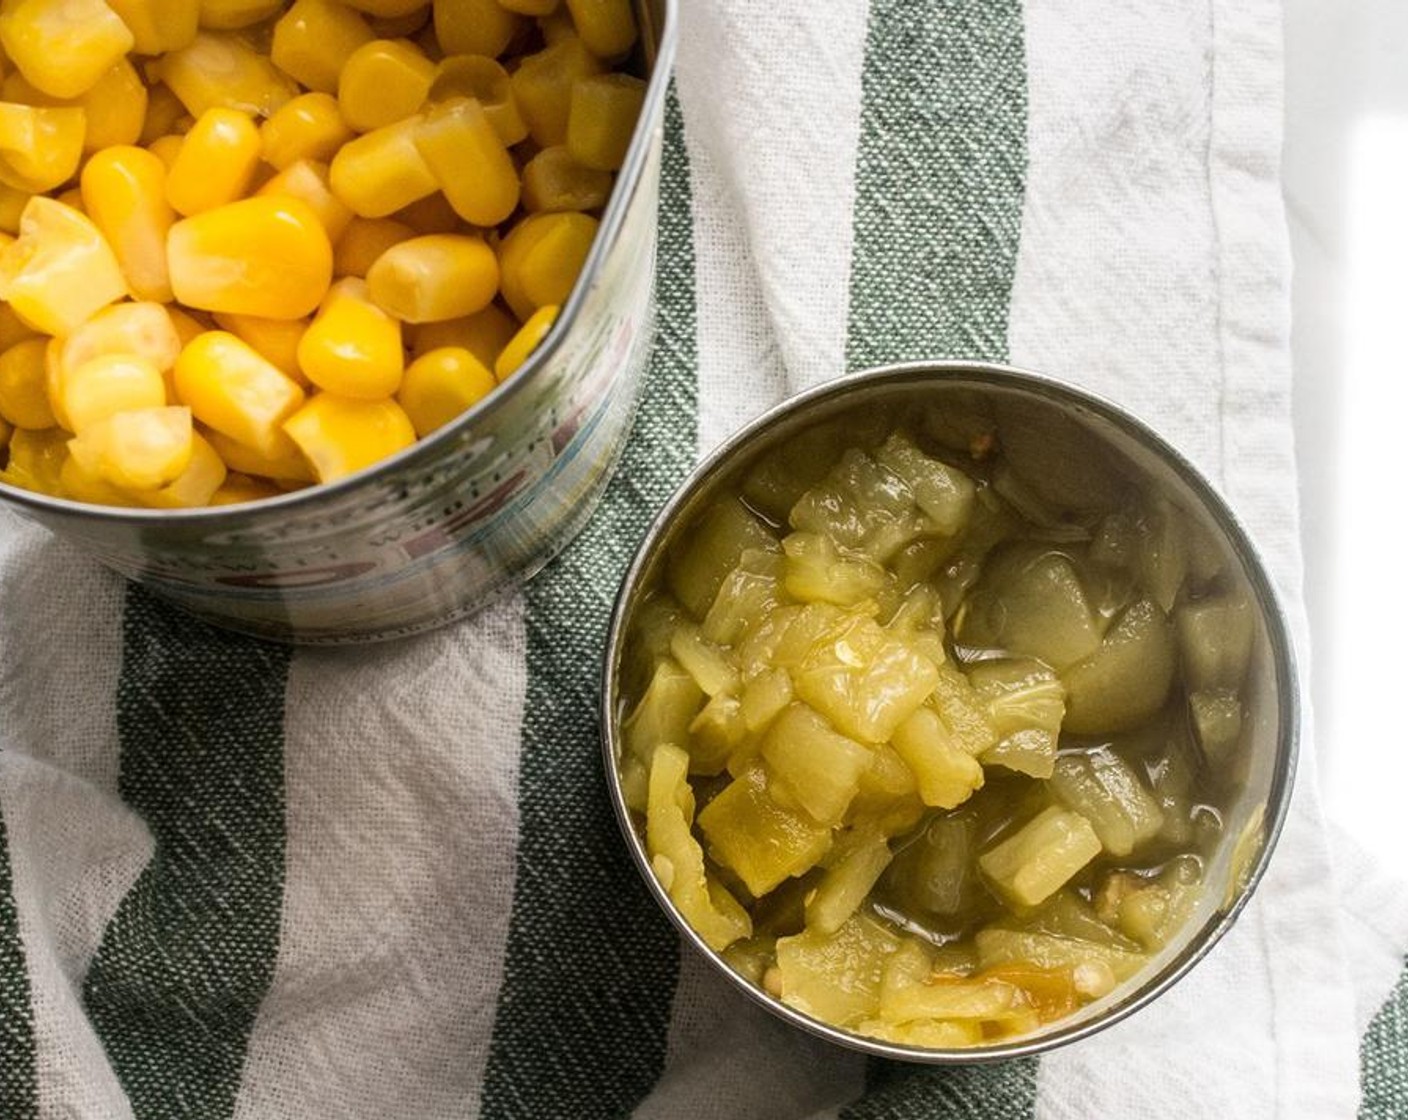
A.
pixel 440 530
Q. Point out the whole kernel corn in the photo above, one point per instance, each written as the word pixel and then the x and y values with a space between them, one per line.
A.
pixel 542 257
pixel 77 484
pixel 196 485
pixel 475 27
pixel 158 26
pixel 382 82
pixel 72 198
pixel 352 347
pixel 274 339
pixel 12 202
pixel 391 9
pixel 13 329
pixel 36 460
pixel 260 256
pixel 63 46
pixel 340 436
pixel 164 109
pixel 221 69
pixel 234 390
pixel 602 119
pixel 308 127
pixel 607 27
pixel 485 80
pixel 166 149
pixel 468 159
pixel 109 384
pixel 313 37
pixel 216 162
pixel 230 15
pixel 60 270
pixel 438 276
pixel 137 450
pixel 440 385
pixel 542 88
pixel 187 326
pixel 557 25
pixel 54 381
pixel 124 192
pixel 145 330
pixel 554 181
pixel 238 489
pixel 40 146
pixel 363 241
pixel 283 462
pixel 484 334
pixel 24 397
pixel 521 348
pixel 431 214
pixel 115 109
pixel 531 7
pixel 308 181
pixel 382 171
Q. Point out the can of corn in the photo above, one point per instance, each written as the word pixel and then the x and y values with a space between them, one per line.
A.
pixel 440 530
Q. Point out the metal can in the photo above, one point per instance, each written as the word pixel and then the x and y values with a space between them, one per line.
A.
pixel 1265 757
pixel 438 531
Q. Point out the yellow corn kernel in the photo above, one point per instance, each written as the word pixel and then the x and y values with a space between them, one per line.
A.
pixel 273 339
pixel 308 127
pixel 166 149
pixel 233 390
pixel 352 348
pixel 603 118
pixel 383 82
pixel 260 256
pixel 607 27
pixel 554 181
pixel 485 80
pixel 542 87
pixel 80 486
pixel 230 15
pixel 137 450
pixel 382 171
pixel 109 384
pixel 363 241
pixel 24 397
pixel 143 330
pixel 440 385
pixel 54 381
pixel 469 161
pixel 438 276
pixel 431 214
pixel 115 109
pixel 475 27
pixel 525 342
pixel 124 192
pixel 393 10
pixel 556 26
pixel 285 462
pixel 40 146
pixel 308 181
pixel 164 109
pixel 313 39
pixel 484 334
pixel 63 46
pixel 196 485
pixel 530 7
pixel 238 489
pixel 13 329
pixel 187 325
pixel 158 26
pixel 216 162
pixel 414 24
pixel 12 202
pixel 340 436
pixel 219 69
pixel 541 259
pixel 36 460
pixel 72 198
pixel 60 271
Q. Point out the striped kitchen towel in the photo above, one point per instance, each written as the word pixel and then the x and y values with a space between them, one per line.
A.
pixel 243 881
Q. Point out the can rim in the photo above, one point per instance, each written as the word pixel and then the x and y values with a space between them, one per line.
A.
pixel 1288 703
pixel 637 155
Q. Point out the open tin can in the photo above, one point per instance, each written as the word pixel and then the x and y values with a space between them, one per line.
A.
pixel 440 530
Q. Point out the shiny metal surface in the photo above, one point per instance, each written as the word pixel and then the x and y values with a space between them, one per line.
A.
pixel 1268 767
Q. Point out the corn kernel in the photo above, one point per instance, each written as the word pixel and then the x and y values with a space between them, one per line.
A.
pixel 475 27
pixel 440 385
pixel 554 181
pixel 60 271
pixel 13 329
pixel 541 259
pixel 109 384
pixel 382 171
pixel 238 489
pixel 393 10
pixel 230 15
pixel 485 80
pixel 431 214
pixel 341 436
pixel 313 39
pixel 530 7
pixel 484 334
pixel 115 109
pixel 220 70
pixel 353 348
pixel 24 398
pixel 285 463
pixel 124 192
pixel 233 390
pixel 187 326
pixel 166 149
pixel 164 109
pixel 216 162
pixel 603 118
pixel 383 82
pixel 308 181
pixel 413 24
pixel 363 241
pixel 542 87
pixel 137 450
pixel 158 26
pixel 469 161
pixel 261 256
pixel 145 330
pixel 63 46
pixel 308 127
pixel 12 202
pixel 607 27
pixel 556 26
pixel 525 342
pixel 80 486
pixel 275 340
pixel 196 485
pixel 438 276
pixel 40 146
pixel 72 198
pixel 54 381
pixel 37 460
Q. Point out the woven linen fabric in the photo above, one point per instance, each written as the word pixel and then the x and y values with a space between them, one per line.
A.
pixel 245 881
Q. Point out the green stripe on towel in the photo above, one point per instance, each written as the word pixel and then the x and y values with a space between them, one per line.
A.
pixel 1383 1059
pixel 185 962
pixel 19 1094
pixel 938 219
pixel 591 965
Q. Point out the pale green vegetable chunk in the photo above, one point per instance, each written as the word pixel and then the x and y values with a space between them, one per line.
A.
pixel 817 571
pixel 746 597
pixel 862 506
pixel 811 766
pixel 701 561
pixel 716 734
pixel 943 494
pixel 1151 910
pixel 1163 554
pixel 764 698
pixel 701 659
pixel 761 842
pixel 1127 680
pixel 663 715
pixel 1217 722
pixel 947 775
pixel 847 882
pixel 997 946
pixel 1031 602
pixel 1026 705
pixel 1106 791
pixel 1041 857
pixel 1215 642
pixel 836 977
